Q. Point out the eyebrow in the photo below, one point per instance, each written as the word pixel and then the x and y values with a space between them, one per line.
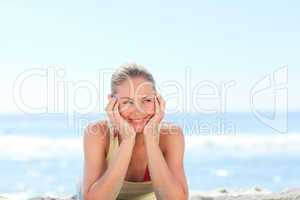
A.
pixel 146 96
pixel 126 98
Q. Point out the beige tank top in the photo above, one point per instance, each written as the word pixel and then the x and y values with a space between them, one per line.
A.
pixel 130 190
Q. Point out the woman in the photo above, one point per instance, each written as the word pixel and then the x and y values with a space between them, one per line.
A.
pixel 133 155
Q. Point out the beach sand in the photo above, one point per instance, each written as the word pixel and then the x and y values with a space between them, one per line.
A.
pixel 246 194
pixel 218 194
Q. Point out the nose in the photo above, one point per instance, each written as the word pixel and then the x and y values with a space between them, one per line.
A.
pixel 138 109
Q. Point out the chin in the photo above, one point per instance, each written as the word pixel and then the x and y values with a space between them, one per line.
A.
pixel 138 127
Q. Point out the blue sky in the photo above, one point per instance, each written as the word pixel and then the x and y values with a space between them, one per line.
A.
pixel 219 40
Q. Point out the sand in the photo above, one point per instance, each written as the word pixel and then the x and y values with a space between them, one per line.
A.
pixel 218 194
pixel 247 194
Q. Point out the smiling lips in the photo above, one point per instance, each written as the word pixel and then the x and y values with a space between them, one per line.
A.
pixel 138 120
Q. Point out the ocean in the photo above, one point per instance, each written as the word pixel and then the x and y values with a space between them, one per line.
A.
pixel 42 154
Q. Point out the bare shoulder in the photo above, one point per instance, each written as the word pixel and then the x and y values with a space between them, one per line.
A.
pixel 97 132
pixel 171 135
pixel 96 129
pixel 170 130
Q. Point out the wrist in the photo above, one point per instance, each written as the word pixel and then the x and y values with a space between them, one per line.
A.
pixel 128 141
pixel 151 139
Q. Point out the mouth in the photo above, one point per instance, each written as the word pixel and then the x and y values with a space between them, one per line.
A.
pixel 138 120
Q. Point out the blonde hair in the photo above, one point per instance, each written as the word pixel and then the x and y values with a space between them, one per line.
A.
pixel 129 70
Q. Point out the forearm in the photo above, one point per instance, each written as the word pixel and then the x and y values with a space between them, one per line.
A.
pixel 110 183
pixel 164 184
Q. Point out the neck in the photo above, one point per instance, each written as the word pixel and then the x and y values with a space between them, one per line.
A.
pixel 139 139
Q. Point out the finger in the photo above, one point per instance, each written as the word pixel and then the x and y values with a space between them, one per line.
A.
pixel 110 104
pixel 116 111
pixel 157 106
pixel 160 111
pixel 122 123
pixel 162 102
pixel 157 95
pixel 109 111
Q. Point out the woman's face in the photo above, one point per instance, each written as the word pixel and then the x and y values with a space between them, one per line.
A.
pixel 136 98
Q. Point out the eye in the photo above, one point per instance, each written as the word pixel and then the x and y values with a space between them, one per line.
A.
pixel 127 102
pixel 148 100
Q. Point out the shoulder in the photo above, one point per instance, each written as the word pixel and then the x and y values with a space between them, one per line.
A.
pixel 96 133
pixel 171 135
pixel 96 129
pixel 170 130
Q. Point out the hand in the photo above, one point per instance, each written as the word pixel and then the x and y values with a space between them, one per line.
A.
pixel 118 123
pixel 152 128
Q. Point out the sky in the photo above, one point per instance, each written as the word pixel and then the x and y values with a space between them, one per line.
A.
pixel 184 42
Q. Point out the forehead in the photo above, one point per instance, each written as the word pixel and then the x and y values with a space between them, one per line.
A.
pixel 135 87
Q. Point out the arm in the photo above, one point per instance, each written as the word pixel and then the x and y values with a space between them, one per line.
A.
pixel 167 173
pixel 99 182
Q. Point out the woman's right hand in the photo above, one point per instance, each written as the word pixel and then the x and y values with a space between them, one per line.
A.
pixel 118 123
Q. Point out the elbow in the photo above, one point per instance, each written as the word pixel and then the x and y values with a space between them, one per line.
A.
pixel 178 196
pixel 181 195
pixel 87 196
pixel 178 193
pixel 185 196
pixel 91 196
pixel 84 197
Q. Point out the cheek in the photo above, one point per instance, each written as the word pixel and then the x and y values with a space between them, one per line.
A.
pixel 124 112
pixel 150 109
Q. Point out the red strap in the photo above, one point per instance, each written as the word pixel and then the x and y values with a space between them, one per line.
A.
pixel 147 175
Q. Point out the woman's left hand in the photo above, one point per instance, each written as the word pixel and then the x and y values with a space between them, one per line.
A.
pixel 152 128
